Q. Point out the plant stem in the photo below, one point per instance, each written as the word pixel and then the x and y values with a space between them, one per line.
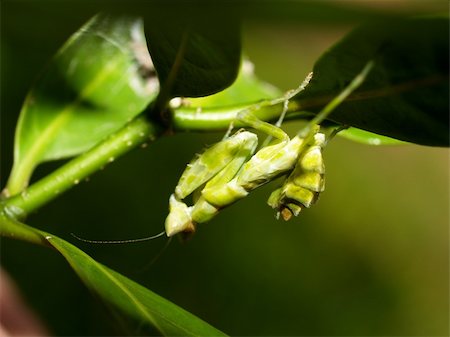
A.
pixel 136 132
pixel 186 118
pixel 9 227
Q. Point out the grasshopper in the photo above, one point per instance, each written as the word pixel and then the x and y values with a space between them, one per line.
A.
pixel 230 169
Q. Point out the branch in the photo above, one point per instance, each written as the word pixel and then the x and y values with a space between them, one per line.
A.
pixel 135 133
pixel 11 228
pixel 213 119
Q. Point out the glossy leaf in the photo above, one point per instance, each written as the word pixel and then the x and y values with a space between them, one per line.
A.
pixel 102 77
pixel 406 94
pixel 368 138
pixel 132 298
pixel 217 111
pixel 139 303
pixel 194 55
pixel 246 89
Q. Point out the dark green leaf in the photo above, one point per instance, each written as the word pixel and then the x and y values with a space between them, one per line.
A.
pixel 247 88
pixel 406 95
pixel 128 296
pixel 194 55
pixel 98 80
pixel 219 110
pixel 132 298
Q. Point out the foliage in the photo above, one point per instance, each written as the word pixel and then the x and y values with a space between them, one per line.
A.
pixel 115 99
pixel 405 95
pixel 78 92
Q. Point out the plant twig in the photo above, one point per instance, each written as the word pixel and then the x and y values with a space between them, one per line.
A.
pixel 9 227
pixel 136 132
pixel 213 119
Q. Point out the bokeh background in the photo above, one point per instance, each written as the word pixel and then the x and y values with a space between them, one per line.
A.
pixel 371 258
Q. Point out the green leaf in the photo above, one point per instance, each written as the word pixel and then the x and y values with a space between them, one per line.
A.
pixel 132 298
pixel 128 296
pixel 247 88
pixel 219 110
pixel 100 79
pixel 406 94
pixel 368 138
pixel 194 55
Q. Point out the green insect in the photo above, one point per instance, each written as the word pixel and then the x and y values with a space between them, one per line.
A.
pixel 306 181
pixel 214 167
pixel 230 169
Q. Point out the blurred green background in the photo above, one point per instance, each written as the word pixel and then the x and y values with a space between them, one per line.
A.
pixel 371 258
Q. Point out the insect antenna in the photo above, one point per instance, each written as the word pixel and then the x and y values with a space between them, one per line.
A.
pixel 119 241
pixel 156 257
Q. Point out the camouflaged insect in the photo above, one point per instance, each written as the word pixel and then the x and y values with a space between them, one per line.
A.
pixel 304 184
pixel 229 170
pixel 213 160
pixel 203 209
pixel 215 166
pixel 242 173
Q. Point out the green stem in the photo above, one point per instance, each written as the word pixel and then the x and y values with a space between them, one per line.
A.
pixel 212 119
pixel 136 132
pixel 19 177
pixel 187 118
pixel 336 101
pixel 354 84
pixel 11 228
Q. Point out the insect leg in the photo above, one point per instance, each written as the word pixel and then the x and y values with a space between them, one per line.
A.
pixel 215 194
pixel 231 154
pixel 249 119
pixel 209 163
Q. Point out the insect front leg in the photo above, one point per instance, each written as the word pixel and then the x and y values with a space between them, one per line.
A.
pixel 217 165
pixel 206 165
pixel 216 195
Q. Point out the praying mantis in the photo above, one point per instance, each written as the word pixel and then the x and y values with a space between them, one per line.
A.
pixel 230 169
